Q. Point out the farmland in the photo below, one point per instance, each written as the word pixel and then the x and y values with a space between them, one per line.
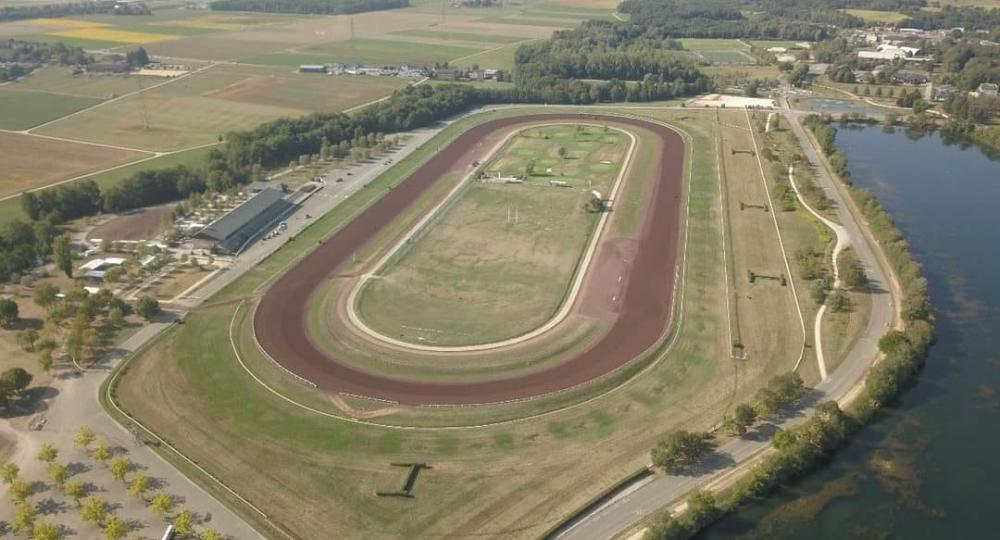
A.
pixel 436 293
pixel 22 153
pixel 21 110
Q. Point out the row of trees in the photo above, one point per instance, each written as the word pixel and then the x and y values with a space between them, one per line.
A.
pixel 26 55
pixel 826 134
pixel 36 11
pixel 22 245
pixel 322 7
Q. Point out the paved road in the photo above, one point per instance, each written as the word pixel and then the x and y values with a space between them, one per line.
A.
pixel 624 513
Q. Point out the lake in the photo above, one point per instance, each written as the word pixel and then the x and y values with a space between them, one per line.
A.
pixel 927 467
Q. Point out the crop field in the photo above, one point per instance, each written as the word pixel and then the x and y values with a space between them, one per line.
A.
pixel 22 154
pixel 21 109
pixel 446 35
pixel 436 292
pixel 498 58
pixel 61 80
pixel 195 110
pixel 726 56
pixel 874 16
pixel 698 44
pixel 377 51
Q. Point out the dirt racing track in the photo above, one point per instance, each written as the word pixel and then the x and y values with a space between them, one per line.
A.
pixel 280 322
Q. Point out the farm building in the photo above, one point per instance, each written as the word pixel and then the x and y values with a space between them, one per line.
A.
pixel 233 231
pixel 312 68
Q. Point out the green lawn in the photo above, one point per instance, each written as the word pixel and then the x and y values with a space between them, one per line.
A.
pixel 697 44
pixel 500 58
pixel 446 35
pixel 23 109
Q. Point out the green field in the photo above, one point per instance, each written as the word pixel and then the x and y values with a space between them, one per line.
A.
pixel 378 51
pixel 61 80
pixel 726 56
pixel 697 44
pixel 870 15
pixel 446 35
pixel 475 276
pixel 20 109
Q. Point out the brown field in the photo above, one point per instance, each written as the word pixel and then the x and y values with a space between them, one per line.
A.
pixel 22 155
pixel 142 224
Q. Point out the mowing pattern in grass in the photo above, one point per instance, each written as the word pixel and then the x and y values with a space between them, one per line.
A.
pixel 21 109
pixel 498 263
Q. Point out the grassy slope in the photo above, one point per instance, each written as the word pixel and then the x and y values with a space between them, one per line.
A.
pixel 25 109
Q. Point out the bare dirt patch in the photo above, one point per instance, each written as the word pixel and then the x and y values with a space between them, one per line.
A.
pixel 29 162
pixel 142 224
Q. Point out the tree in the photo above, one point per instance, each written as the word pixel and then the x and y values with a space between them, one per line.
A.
pixel 14 380
pixel 27 339
pixel 47 453
pixel 147 307
pixel 24 518
pixel 562 152
pixel 119 468
pixel 58 474
pixel 63 255
pixel 84 436
pixel 529 168
pixel 209 534
pixel 8 312
pixel 702 509
pixel 161 503
pixel 184 522
pixel 743 417
pixel 681 449
pixel 101 452
pixel 9 472
pixel 115 529
pixel 43 530
pixel 94 510
pixel 139 486
pixel 76 490
pixel 666 527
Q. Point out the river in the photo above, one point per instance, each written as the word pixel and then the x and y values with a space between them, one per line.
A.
pixel 928 467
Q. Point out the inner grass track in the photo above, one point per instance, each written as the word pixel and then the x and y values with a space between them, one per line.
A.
pixel 280 319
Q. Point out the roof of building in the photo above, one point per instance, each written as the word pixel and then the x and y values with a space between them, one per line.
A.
pixel 232 222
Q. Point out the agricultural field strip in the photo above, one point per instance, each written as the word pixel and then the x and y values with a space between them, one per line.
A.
pixel 843 241
pixel 494 49
pixel 123 96
pixel 109 169
pixel 28 133
pixel 781 243
pixel 568 301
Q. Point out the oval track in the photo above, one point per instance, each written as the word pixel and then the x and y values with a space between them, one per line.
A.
pixel 280 322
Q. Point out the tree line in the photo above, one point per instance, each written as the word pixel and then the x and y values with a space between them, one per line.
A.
pixel 319 7
pixel 35 11
pixel 28 55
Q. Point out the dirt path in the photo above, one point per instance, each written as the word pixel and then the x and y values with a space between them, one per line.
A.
pixel 280 322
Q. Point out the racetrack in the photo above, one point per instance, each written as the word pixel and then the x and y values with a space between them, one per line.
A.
pixel 280 321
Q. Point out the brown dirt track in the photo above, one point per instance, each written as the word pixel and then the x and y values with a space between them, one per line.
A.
pixel 280 321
